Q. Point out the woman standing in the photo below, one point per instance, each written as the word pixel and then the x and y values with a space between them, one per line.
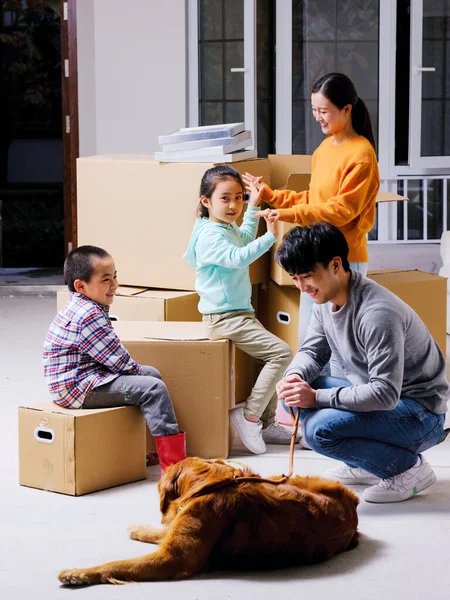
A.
pixel 344 179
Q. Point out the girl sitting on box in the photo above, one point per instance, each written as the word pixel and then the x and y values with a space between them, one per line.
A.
pixel 222 252
pixel 344 179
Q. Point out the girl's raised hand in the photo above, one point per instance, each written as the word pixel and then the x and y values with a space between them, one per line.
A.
pixel 249 179
pixel 271 218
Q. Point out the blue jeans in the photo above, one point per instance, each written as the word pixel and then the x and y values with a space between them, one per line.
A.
pixel 382 442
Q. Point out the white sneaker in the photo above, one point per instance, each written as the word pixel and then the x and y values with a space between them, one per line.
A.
pixel 276 433
pixel 250 433
pixel 402 486
pixel 351 475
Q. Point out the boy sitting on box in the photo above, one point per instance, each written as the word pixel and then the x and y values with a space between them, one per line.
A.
pixel 86 366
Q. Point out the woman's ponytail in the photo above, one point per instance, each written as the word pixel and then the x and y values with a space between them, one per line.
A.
pixel 361 121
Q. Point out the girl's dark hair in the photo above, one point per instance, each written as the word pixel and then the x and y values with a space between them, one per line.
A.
pixel 303 248
pixel 209 181
pixel 339 90
pixel 79 264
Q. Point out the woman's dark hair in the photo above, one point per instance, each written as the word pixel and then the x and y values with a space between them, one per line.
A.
pixel 79 264
pixel 302 248
pixel 339 90
pixel 209 181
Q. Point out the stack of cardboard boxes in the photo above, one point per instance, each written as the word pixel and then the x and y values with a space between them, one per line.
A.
pixel 142 212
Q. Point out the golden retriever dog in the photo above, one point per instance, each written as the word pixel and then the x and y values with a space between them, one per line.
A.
pixel 213 520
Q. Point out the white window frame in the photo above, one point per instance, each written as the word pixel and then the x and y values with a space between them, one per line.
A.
pixel 248 68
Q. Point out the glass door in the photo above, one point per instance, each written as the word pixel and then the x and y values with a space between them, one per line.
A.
pixel 430 84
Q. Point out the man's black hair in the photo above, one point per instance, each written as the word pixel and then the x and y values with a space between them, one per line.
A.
pixel 79 264
pixel 303 248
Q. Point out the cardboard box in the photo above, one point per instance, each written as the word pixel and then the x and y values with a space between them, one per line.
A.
pixel 278 311
pixel 80 451
pixel 142 304
pixel 425 293
pixel 293 172
pixel 147 211
pixel 200 375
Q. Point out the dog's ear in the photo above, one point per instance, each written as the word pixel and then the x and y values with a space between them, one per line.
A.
pixel 168 487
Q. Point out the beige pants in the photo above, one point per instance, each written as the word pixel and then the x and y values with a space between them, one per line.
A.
pixel 247 334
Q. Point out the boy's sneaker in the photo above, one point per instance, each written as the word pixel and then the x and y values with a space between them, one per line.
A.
pixel 351 475
pixel 250 433
pixel 275 433
pixel 402 486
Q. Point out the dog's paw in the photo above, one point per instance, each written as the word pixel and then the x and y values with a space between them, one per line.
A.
pixel 145 533
pixel 74 577
pixel 135 532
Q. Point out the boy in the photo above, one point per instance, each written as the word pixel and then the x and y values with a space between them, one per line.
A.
pixel 86 366
pixel 386 400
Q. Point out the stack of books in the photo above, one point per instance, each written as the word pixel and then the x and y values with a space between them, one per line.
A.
pixel 211 143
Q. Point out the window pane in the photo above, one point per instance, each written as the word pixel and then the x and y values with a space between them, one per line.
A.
pixel 415 209
pixel 234 112
pixel 210 22
pixel 434 208
pixel 211 113
pixel 211 74
pixel 234 19
pixel 234 82
pixel 332 35
pixel 400 211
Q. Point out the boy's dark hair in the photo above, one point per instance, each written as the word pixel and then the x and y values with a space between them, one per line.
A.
pixel 302 248
pixel 79 264
pixel 339 90
pixel 211 178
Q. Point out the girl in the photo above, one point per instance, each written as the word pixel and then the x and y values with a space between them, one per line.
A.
pixel 222 252
pixel 344 179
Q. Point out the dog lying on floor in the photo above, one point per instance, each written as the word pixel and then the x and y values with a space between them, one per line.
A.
pixel 215 522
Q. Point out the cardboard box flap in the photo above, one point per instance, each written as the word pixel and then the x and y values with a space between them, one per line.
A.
pixel 298 182
pixel 126 290
pixel 281 165
pixel 135 331
pixel 51 407
pixel 163 294
pixel 401 276
pixel 390 197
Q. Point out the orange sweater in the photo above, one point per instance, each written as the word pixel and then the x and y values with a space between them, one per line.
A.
pixel 343 188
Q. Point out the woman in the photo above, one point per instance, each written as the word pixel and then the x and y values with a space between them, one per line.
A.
pixel 344 179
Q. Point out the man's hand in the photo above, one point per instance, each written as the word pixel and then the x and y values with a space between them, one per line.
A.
pixel 296 392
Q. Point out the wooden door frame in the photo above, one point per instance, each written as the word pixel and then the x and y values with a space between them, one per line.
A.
pixel 70 129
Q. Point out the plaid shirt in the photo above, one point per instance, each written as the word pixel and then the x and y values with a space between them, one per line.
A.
pixel 82 351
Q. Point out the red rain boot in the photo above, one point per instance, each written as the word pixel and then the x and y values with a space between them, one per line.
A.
pixel 171 449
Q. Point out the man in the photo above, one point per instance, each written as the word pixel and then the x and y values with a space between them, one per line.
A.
pixel 386 398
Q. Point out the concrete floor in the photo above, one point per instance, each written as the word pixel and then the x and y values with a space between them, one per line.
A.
pixel 403 551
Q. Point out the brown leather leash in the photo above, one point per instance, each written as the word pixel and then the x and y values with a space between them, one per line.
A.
pixel 207 489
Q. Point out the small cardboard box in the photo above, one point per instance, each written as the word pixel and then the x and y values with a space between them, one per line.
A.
pixel 201 376
pixel 142 304
pixel 278 311
pixel 293 172
pixel 147 211
pixel 425 293
pixel 76 451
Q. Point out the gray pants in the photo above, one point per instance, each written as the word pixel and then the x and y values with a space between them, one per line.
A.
pixel 250 336
pixel 147 391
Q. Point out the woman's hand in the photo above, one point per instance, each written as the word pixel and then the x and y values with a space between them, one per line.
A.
pixel 294 391
pixel 249 179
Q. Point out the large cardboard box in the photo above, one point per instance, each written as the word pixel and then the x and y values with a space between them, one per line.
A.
pixel 143 212
pixel 201 376
pixel 80 451
pixel 278 311
pixel 425 293
pixel 293 172
pixel 142 304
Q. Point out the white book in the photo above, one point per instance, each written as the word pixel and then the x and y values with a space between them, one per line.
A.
pixel 222 141
pixel 208 132
pixel 216 158
pixel 215 150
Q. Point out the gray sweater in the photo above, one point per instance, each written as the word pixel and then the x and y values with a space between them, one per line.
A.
pixel 380 345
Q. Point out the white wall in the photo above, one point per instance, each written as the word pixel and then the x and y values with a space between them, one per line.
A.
pixel 131 73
